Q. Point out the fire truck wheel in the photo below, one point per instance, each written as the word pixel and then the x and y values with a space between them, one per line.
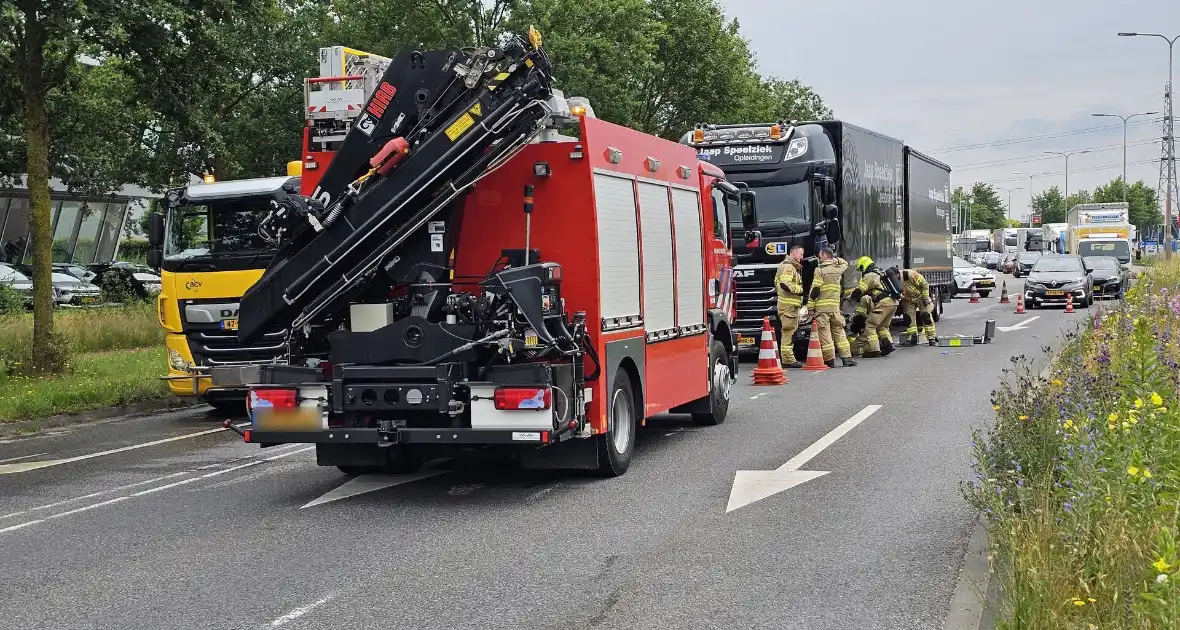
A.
pixel 617 445
pixel 720 380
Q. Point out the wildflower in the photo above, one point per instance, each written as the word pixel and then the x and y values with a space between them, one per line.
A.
pixel 1133 471
pixel 1161 565
pixel 1057 381
pixel 1146 474
pixel 1023 418
pixel 995 407
pixel 1161 578
pixel 1156 400
pixel 1078 601
pixel 1138 403
pixel 1068 424
pixel 1112 418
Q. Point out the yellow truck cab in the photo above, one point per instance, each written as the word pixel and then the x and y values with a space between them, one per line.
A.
pixel 205 241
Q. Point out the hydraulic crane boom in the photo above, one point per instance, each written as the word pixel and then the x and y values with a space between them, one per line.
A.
pixel 437 123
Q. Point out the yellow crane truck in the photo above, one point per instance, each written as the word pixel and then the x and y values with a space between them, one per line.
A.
pixel 204 240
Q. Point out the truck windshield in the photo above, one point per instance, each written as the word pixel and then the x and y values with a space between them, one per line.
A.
pixel 982 246
pixel 216 230
pixel 1118 249
pixel 779 203
pixel 1010 241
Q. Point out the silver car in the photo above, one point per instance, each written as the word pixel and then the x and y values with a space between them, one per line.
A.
pixel 68 290
pixel 17 281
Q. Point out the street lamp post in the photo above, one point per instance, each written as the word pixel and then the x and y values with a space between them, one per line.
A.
pixel 1030 177
pixel 1125 119
pixel 1066 156
pixel 1167 200
pixel 1008 212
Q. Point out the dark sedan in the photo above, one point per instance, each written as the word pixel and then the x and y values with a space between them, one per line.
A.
pixel 1054 279
pixel 1109 278
pixel 1024 262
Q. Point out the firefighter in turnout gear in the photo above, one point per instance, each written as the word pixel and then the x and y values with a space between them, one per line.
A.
pixel 877 297
pixel 825 299
pixel 789 283
pixel 918 307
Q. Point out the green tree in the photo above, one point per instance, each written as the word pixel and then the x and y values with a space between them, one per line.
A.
pixel 41 47
pixel 1050 205
pixel 1142 200
pixel 779 99
pixel 987 209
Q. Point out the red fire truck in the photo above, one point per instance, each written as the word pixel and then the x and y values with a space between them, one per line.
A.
pixel 580 291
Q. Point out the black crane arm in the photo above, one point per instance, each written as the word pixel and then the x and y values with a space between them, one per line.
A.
pixel 404 160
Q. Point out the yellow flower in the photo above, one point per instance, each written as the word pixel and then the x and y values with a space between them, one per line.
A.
pixel 1138 403
pixel 1023 418
pixel 1156 400
pixel 1057 381
pixel 1079 602
pixel 1134 420
pixel 1126 425
pixel 1112 418
pixel 1068 424
pixel 1161 565
pixel 1146 473
pixel 995 407
pixel 1133 471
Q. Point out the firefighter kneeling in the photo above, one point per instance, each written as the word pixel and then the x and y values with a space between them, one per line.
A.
pixel 876 298
pixel 918 308
pixel 825 299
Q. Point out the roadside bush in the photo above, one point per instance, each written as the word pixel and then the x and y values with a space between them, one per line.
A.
pixel 11 301
pixel 1079 476
pixel 116 289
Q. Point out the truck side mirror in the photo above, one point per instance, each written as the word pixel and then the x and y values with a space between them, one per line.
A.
pixel 155 254
pixel 831 211
pixel 829 192
pixel 156 229
pixel 834 232
pixel 749 210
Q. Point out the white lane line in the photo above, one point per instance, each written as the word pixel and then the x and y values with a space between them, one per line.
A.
pixel 299 612
pixel 21 526
pixel 152 490
pixel 17 459
pixel 35 465
pixel 132 485
pixel 806 454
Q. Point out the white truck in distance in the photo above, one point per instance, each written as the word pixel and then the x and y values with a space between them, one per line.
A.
pixel 1100 229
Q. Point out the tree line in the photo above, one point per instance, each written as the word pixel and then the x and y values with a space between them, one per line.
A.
pixel 101 93
pixel 985 209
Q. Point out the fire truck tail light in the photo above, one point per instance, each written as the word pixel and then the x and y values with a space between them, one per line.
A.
pixel 277 398
pixel 527 398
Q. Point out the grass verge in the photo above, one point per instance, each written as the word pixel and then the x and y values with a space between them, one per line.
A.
pixel 1080 474
pixel 97 380
pixel 85 330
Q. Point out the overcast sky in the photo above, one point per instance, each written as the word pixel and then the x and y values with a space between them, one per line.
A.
pixel 950 74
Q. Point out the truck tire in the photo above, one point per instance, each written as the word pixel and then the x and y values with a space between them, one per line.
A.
pixel 616 446
pixel 719 387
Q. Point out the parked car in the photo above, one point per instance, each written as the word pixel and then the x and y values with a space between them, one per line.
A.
pixel 77 271
pixel 17 281
pixel 1054 279
pixel 969 276
pixel 67 289
pixel 144 284
pixel 1109 277
pixel 1023 263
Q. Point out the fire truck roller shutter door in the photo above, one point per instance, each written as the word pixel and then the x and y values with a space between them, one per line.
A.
pixel 690 288
pixel 618 247
pixel 659 281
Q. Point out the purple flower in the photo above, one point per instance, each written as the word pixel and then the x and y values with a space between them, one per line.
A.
pixel 1068 506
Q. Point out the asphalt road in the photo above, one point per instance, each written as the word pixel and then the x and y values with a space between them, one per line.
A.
pixel 166 522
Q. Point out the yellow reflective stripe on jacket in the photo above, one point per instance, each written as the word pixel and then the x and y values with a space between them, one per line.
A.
pixel 915 288
pixel 829 276
pixel 789 276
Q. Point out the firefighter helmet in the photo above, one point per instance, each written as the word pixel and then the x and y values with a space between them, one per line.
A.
pixel 864 263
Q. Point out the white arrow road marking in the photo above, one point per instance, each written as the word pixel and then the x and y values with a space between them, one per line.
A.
pixel 363 484
pixel 754 485
pixel 1019 326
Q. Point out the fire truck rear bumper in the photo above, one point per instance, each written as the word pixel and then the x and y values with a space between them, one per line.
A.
pixel 383 437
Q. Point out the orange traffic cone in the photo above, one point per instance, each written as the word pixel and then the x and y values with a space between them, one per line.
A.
pixel 815 354
pixel 974 296
pixel 1004 293
pixel 1020 304
pixel 1069 303
pixel 769 370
